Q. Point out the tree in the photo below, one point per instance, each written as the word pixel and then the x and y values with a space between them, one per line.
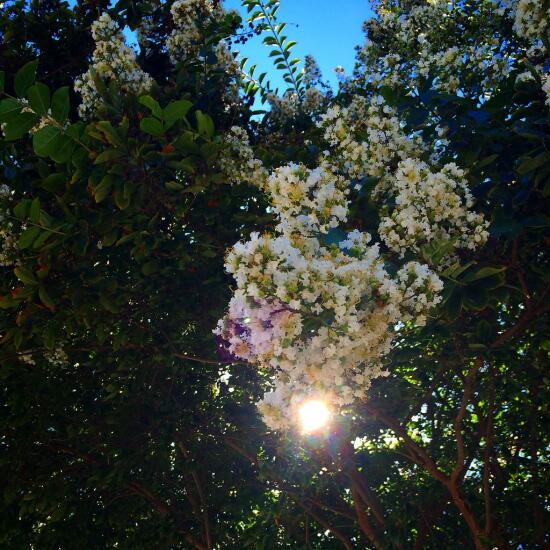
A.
pixel 127 178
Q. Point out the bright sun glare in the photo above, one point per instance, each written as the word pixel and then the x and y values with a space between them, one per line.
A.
pixel 314 415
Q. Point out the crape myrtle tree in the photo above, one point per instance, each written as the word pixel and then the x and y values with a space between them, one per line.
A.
pixel 378 379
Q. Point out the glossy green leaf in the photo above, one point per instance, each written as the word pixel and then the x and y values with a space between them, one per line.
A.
pixel 25 78
pixel 34 214
pixel 25 275
pixel 151 126
pixel 151 104
pixel 61 104
pixel 109 155
pixel 205 124
pixel 28 237
pixel 46 299
pixel 482 273
pixel 45 140
pixel 39 98
pixel 176 110
pixel 8 108
pixel 104 188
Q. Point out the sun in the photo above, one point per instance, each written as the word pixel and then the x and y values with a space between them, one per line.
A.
pixel 314 415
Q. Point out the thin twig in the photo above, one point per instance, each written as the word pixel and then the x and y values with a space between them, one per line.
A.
pixel 487 452
pixel 468 389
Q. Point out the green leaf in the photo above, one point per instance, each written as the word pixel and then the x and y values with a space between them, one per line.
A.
pixel 127 238
pixel 46 299
pixel 151 126
pixel 205 125
pixel 41 239
pixel 63 150
pixel 528 164
pixel 174 186
pixel 60 104
pixel 39 98
pixel 149 268
pixel 482 273
pixel 8 108
pixel 21 209
pixel 152 104
pixel 121 199
pixel 28 237
pixel 7 302
pixel 485 162
pixel 289 45
pixel 269 41
pixel 476 298
pixel 25 78
pixel 104 188
pixel 436 250
pixel 25 275
pixel 453 304
pixel 210 151
pixel 35 210
pixel 54 182
pixel 45 140
pixel 108 155
pixel 176 110
pixel 18 126
pixel 48 337
pixel 108 133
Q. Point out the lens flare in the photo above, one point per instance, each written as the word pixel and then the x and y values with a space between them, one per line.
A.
pixel 314 415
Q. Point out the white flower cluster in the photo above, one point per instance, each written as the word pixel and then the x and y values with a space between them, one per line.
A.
pixel 532 22
pixel 367 138
pixel 318 317
pixel 57 357
pixel 532 18
pixel 428 203
pixel 431 206
pixel 546 88
pixel 237 161
pixel 186 41
pixel 8 243
pixel 284 108
pixel 440 41
pixel 8 236
pixel 42 123
pixel 307 200
pixel 112 60
pixel 313 101
pixel 145 31
pixel 310 102
pixel 312 72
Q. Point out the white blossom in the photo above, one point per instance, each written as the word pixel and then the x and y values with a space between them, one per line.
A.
pixel 112 60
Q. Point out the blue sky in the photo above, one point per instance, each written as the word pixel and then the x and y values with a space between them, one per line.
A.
pixel 326 29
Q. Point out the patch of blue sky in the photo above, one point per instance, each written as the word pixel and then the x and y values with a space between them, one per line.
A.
pixel 327 29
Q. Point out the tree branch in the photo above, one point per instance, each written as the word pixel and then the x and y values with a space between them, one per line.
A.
pixel 468 389
pixel 487 452
pixel 203 504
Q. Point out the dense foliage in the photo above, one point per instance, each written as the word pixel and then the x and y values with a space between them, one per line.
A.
pixel 128 420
